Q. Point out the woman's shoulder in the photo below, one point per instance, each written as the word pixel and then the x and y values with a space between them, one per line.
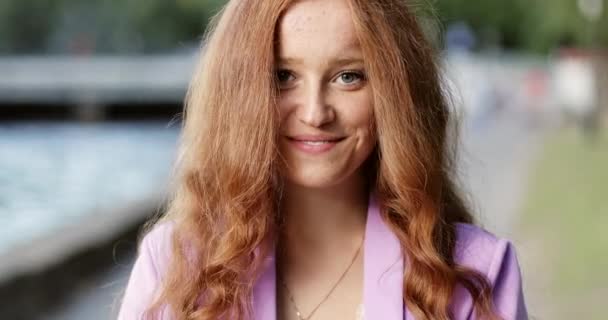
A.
pixel 482 250
pixel 154 252
pixel 496 259
pixel 160 232
pixel 157 244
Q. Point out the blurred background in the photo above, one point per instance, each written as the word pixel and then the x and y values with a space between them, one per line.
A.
pixel 90 110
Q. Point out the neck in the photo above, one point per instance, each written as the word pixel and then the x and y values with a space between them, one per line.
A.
pixel 321 222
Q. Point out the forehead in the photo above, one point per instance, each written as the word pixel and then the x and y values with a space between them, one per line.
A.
pixel 313 27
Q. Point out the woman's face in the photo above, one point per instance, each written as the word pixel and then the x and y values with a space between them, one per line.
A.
pixel 325 100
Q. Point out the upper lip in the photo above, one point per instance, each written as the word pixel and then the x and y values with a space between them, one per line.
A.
pixel 315 137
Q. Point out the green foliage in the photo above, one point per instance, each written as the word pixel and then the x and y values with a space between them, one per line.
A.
pixel 169 22
pixel 23 24
pixel 125 26
pixel 159 25
pixel 536 25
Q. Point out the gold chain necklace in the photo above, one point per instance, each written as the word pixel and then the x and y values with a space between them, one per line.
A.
pixel 293 302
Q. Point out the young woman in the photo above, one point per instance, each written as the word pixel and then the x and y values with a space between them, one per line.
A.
pixel 313 179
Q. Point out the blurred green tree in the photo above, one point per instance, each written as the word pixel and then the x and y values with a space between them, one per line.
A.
pixel 129 26
pixel 23 25
pixel 108 26
pixel 534 25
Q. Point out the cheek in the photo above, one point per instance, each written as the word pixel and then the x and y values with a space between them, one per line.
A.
pixel 367 129
pixel 284 108
pixel 359 115
pixel 365 144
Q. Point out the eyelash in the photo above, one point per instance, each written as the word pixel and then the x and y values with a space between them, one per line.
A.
pixel 356 73
pixel 359 74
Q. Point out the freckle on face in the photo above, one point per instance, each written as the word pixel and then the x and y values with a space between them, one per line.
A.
pixel 317 33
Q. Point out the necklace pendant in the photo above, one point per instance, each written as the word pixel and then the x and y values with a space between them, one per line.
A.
pixel 360 312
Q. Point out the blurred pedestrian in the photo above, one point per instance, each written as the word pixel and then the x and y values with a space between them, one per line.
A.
pixel 575 88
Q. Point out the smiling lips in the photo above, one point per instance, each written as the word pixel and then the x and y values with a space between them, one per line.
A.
pixel 314 144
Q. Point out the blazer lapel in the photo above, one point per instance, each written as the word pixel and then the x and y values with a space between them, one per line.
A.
pixel 382 279
pixel 265 293
pixel 383 269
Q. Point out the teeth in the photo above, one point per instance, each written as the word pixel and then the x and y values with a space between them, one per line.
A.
pixel 315 143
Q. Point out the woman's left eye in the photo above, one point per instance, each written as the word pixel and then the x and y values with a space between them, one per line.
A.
pixel 350 77
pixel 283 75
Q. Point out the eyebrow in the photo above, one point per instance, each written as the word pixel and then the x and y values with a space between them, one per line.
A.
pixel 334 62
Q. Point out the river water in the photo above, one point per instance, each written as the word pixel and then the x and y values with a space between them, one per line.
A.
pixel 52 173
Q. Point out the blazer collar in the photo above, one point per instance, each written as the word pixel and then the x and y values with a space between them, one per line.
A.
pixel 382 279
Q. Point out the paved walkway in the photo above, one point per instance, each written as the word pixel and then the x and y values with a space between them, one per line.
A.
pixel 495 163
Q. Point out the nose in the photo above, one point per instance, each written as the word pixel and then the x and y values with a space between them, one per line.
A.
pixel 314 109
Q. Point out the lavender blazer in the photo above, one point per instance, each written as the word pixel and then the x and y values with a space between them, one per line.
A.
pixel 383 274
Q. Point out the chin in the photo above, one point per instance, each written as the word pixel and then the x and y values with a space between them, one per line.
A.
pixel 317 179
pixel 312 182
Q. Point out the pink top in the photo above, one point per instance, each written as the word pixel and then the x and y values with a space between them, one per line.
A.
pixel 383 274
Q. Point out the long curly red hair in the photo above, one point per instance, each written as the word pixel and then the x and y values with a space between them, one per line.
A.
pixel 224 204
